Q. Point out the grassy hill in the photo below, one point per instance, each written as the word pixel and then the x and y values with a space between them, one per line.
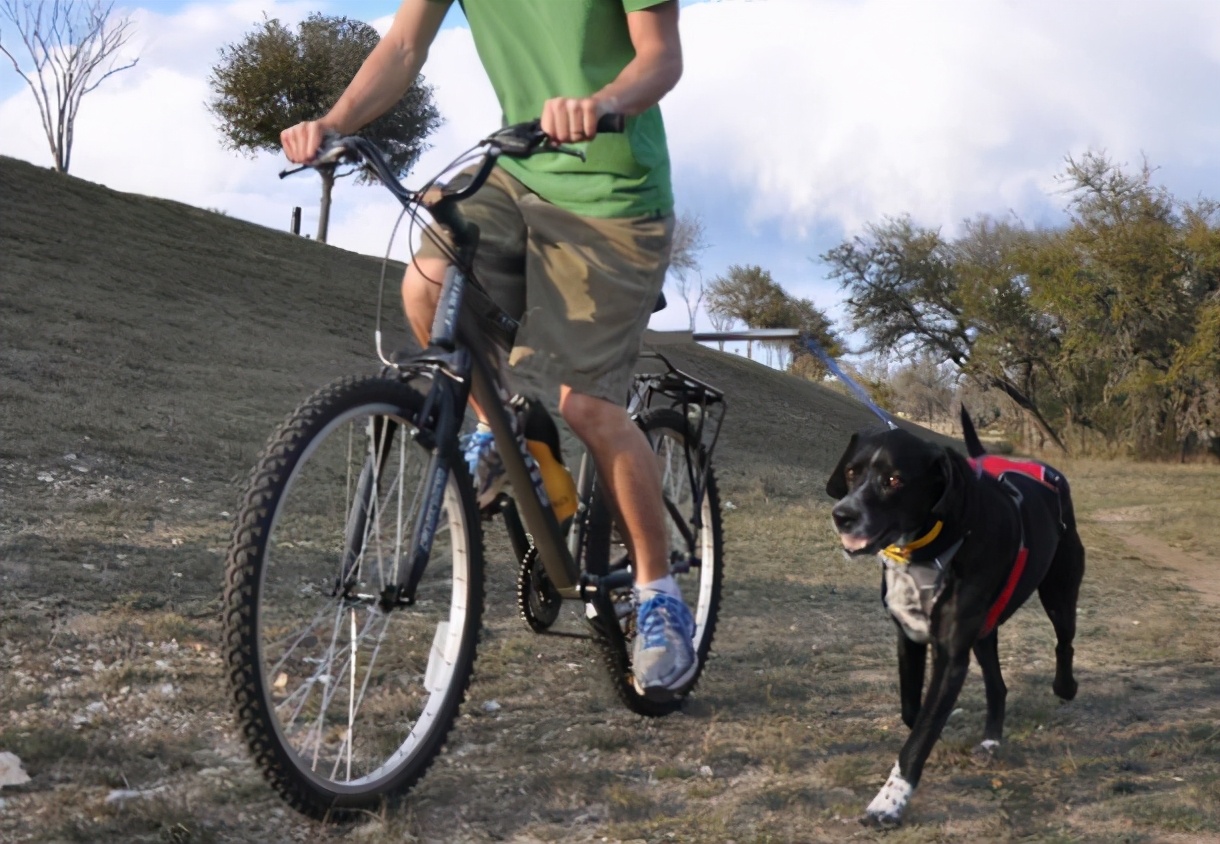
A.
pixel 147 349
pixel 172 336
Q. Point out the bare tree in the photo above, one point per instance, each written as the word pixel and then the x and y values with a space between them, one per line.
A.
pixel 690 238
pixel 722 322
pixel 73 48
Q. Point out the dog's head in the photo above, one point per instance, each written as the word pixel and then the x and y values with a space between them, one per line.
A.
pixel 891 486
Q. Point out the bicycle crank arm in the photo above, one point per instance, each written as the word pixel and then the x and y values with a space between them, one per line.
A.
pixel 596 591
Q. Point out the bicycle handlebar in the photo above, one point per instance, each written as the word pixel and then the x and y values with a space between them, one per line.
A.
pixel 520 140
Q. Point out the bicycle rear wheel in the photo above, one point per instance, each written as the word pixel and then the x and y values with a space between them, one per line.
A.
pixel 344 697
pixel 685 468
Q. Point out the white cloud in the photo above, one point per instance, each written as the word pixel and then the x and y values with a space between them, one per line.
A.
pixel 147 130
pixel 797 121
pixel 840 112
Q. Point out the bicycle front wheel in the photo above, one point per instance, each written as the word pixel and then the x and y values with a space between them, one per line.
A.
pixel 344 695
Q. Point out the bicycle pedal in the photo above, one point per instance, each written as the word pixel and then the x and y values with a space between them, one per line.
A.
pixel 494 509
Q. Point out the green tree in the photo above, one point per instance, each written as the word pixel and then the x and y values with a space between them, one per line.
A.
pixel 902 291
pixel 746 293
pixel 1107 328
pixel 812 322
pixel 1130 280
pixel 275 78
pixel 914 293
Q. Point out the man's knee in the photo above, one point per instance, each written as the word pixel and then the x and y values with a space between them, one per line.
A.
pixel 591 417
pixel 421 288
pixel 422 281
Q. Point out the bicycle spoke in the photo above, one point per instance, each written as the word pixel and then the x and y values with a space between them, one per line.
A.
pixel 354 705
pixel 343 693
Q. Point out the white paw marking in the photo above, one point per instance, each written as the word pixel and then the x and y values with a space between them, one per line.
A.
pixel 989 745
pixel 892 799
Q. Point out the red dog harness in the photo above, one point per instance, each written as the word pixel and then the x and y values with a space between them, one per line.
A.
pixel 997 466
pixel 924 561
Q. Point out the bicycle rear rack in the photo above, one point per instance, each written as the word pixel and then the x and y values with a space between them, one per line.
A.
pixel 702 405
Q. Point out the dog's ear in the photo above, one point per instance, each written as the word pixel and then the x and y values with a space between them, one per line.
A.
pixel 836 485
pixel 955 470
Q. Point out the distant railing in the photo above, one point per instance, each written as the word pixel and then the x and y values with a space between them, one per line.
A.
pixel 747 334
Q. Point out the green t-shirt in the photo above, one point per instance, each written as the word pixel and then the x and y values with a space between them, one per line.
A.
pixel 537 49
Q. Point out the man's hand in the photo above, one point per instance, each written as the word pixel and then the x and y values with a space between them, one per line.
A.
pixel 301 142
pixel 569 120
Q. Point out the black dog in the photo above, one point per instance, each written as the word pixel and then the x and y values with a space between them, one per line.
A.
pixel 964 543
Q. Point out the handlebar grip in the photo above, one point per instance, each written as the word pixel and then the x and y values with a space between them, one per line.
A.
pixel 330 150
pixel 612 123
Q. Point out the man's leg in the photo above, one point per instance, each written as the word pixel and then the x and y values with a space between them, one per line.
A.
pixel 663 656
pixel 421 289
pixel 592 283
pixel 626 462
pixel 499 264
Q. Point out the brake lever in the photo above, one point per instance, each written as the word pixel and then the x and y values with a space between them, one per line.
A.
pixel 572 151
pixel 522 140
pixel 294 170
pixel 329 154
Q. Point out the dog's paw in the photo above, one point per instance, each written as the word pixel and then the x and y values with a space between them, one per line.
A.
pixel 881 820
pixel 1064 688
pixel 887 807
pixel 985 750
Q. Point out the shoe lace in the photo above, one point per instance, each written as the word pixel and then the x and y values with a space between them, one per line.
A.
pixel 476 443
pixel 657 614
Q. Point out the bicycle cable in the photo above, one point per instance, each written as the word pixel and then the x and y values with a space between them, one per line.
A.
pixel 414 212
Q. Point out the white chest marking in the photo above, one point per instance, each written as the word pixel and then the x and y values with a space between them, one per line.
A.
pixel 903 600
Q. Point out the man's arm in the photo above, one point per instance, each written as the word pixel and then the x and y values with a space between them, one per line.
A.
pixel 648 77
pixel 382 80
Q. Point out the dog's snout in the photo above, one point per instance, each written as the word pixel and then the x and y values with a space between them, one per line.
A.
pixel 846 517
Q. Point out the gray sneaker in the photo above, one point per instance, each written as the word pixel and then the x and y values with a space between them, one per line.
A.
pixel 486 468
pixel 663 660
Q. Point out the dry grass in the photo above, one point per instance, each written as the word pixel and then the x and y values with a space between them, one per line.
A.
pixel 109 631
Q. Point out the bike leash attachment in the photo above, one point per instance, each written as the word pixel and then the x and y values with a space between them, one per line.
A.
pixel 816 348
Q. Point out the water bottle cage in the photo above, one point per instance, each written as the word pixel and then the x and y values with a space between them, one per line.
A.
pixel 520 405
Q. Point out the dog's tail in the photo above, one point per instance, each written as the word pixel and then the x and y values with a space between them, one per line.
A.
pixel 974 446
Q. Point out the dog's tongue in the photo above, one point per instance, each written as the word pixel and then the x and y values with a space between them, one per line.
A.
pixel 852 543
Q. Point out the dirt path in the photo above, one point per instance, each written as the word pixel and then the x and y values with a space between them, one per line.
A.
pixel 1189 569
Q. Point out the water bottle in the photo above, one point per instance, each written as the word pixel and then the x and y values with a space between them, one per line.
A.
pixel 542 443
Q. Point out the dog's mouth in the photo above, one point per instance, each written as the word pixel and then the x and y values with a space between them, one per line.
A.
pixel 858 546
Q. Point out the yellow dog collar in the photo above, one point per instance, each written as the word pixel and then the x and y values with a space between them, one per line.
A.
pixel 901 554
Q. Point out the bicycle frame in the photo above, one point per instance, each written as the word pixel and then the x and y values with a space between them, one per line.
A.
pixel 464 361
pixel 470 368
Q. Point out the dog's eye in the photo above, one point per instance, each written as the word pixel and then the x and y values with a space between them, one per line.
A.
pixel 893 482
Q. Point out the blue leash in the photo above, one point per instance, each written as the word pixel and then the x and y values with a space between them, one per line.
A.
pixel 856 389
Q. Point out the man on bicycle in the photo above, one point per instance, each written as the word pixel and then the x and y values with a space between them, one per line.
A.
pixel 577 251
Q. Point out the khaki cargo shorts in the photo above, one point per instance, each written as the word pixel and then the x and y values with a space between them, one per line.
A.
pixel 581 287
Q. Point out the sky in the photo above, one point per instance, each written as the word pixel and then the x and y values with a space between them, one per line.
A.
pixel 795 125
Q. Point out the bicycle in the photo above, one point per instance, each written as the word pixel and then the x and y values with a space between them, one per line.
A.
pixel 354 579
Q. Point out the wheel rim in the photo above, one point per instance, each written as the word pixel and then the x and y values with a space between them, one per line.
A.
pixel 352 690
pixel 697 584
